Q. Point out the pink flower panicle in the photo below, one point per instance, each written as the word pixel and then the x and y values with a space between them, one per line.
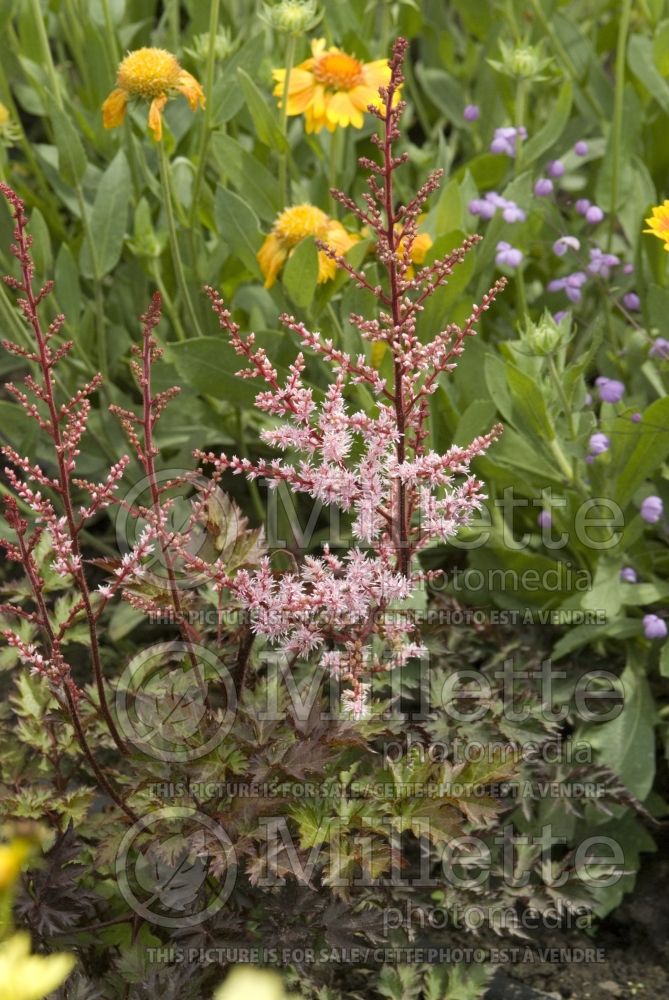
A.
pixel 376 465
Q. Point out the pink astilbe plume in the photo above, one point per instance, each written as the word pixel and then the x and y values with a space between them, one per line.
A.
pixel 374 464
pixel 54 515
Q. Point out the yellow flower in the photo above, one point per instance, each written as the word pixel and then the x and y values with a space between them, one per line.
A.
pixel 292 226
pixel 30 977
pixel 332 88
pixel 12 857
pixel 152 75
pixel 659 223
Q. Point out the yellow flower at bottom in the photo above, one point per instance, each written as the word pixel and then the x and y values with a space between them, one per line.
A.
pixel 332 88
pixel 290 228
pixel 24 976
pixel 152 75
pixel 659 223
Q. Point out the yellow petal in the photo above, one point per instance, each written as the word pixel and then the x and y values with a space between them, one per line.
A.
pixel 342 111
pixel 271 257
pixel 156 116
pixel 191 90
pixel 114 108
pixel 299 102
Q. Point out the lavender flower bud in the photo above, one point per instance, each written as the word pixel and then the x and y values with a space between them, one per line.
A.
pixel 599 443
pixel 651 510
pixel 594 215
pixel 628 575
pixel 632 301
pixel 581 148
pixel 564 243
pixel 654 627
pixel 555 168
pixel 582 206
pixel 472 113
pixel 610 390
pixel 544 520
pixel 660 349
pixel 543 187
pixel 507 255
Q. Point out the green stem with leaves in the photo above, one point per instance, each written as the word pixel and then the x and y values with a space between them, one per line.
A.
pixel 174 242
pixel 617 126
pixel 284 182
pixel 205 133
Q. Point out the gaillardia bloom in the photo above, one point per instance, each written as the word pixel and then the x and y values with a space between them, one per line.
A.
pixel 659 223
pixel 292 226
pixel 332 88
pixel 152 75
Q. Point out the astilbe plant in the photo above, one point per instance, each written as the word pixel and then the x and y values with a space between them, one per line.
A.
pixel 402 495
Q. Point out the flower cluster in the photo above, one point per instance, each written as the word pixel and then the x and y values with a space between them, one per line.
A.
pixel 377 466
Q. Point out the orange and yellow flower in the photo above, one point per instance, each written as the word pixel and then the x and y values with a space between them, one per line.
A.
pixel 152 75
pixel 332 88
pixel 659 223
pixel 295 224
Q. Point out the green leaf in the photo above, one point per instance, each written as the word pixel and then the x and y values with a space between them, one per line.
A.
pixel 300 275
pixel 639 455
pixel 263 114
pixel 249 176
pixel 210 365
pixel 239 227
pixel 41 248
pixel 641 62
pixel 72 159
pixel 108 219
pixel 529 404
pixel 626 744
pixel 553 128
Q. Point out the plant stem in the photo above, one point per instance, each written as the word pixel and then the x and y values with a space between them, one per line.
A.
pixel 284 180
pixel 174 242
pixel 617 126
pixel 205 133
pixel 174 21
pixel 551 33
pixel 557 382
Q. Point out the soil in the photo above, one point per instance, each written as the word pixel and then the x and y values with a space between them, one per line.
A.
pixel 635 944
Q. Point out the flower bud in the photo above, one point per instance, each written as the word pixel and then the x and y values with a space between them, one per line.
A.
pixel 544 336
pixel 293 17
pixel 524 62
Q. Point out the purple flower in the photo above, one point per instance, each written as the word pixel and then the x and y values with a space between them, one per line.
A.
pixel 594 215
pixel 599 443
pixel 564 243
pixel 581 148
pixel 628 575
pixel 544 520
pixel 610 391
pixel 652 510
pixel 582 206
pixel 555 168
pixel 600 262
pixel 571 285
pixel 654 627
pixel 512 213
pixel 508 255
pixel 543 187
pixel 632 301
pixel 559 315
pixel 636 418
pixel 504 140
pixel 471 113
pixel 660 349
pixel 482 207
pixel 628 268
